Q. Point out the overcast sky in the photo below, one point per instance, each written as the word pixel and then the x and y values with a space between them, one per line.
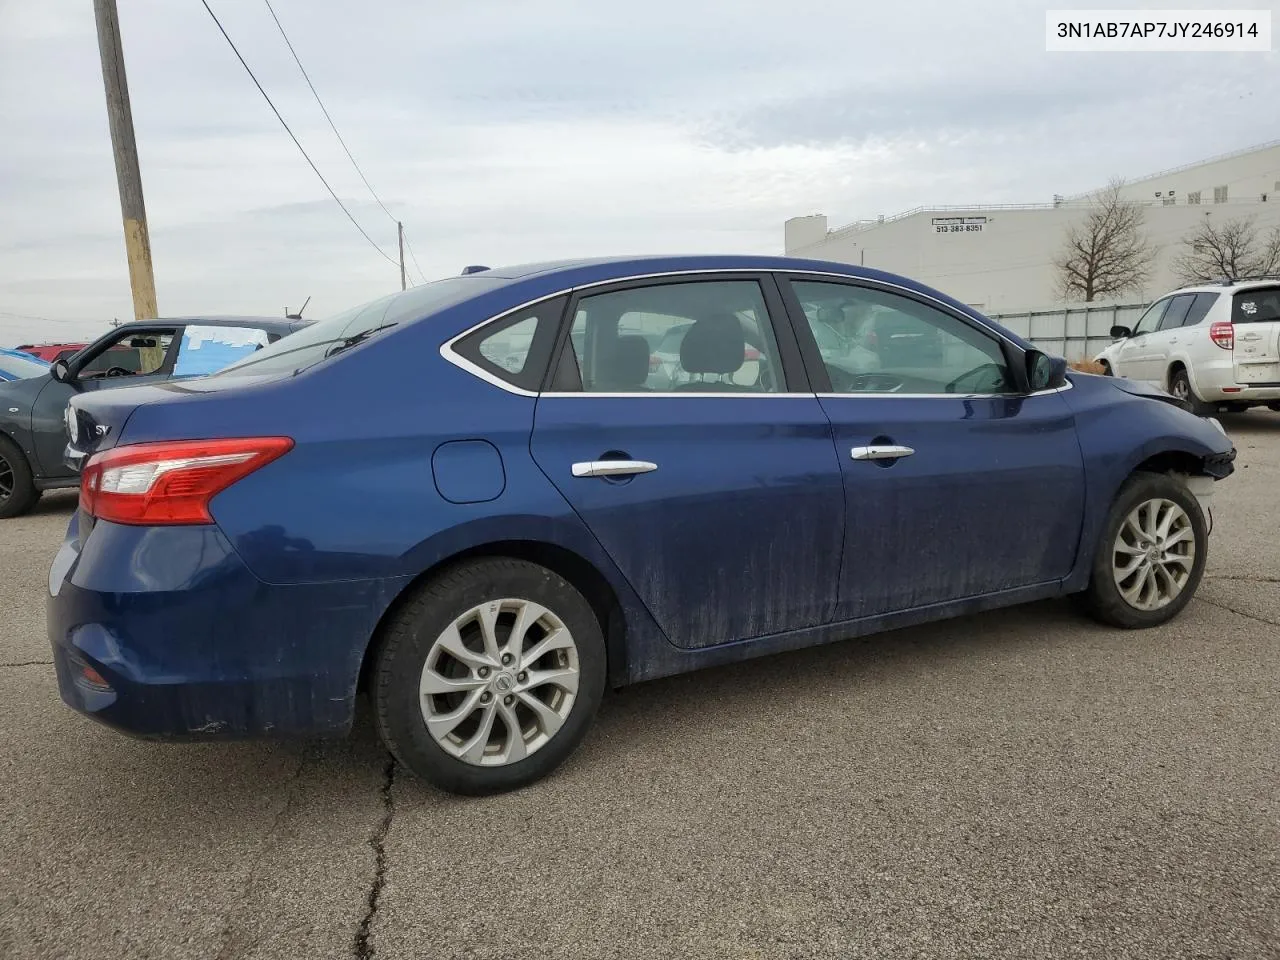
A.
pixel 512 130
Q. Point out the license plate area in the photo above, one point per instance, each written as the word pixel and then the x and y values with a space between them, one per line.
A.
pixel 1257 372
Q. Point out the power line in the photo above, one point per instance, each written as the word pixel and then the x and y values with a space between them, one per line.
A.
pixel 252 77
pixel 414 257
pixel 324 110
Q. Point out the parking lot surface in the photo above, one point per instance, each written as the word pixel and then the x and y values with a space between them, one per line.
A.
pixel 1022 783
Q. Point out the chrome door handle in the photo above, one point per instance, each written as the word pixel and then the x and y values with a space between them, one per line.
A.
pixel 887 452
pixel 612 468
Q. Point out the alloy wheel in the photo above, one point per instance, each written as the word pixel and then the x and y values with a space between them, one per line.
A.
pixel 6 479
pixel 1153 554
pixel 499 682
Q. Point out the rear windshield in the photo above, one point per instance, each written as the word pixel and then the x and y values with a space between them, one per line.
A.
pixel 311 344
pixel 1260 305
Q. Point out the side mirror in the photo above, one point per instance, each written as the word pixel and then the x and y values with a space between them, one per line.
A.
pixel 1120 333
pixel 1045 372
pixel 60 371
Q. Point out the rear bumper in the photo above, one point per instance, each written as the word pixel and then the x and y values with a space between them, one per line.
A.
pixel 1215 382
pixel 181 641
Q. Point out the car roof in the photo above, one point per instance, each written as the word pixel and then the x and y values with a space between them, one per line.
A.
pixel 1221 287
pixel 265 323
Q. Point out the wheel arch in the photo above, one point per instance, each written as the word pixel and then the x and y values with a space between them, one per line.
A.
pixel 576 569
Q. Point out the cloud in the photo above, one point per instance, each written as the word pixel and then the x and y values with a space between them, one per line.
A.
pixel 521 130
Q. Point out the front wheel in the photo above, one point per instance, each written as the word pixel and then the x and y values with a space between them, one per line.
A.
pixel 1180 387
pixel 18 492
pixel 1151 556
pixel 488 678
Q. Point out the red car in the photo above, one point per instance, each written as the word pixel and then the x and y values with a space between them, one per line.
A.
pixel 49 352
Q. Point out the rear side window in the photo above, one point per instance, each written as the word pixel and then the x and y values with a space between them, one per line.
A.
pixel 1176 314
pixel 1200 309
pixel 517 348
pixel 1256 306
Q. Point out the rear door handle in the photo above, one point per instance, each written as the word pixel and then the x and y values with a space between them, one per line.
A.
pixel 886 452
pixel 1252 336
pixel 612 468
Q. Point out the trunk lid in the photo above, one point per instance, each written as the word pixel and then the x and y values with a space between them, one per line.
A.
pixel 95 419
pixel 1255 322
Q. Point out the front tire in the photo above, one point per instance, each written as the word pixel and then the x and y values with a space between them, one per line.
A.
pixel 1180 387
pixel 18 492
pixel 488 678
pixel 1151 556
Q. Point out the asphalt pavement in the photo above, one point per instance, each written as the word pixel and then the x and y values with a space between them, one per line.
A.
pixel 1022 783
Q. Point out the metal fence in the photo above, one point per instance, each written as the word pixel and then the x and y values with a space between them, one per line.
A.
pixel 1074 332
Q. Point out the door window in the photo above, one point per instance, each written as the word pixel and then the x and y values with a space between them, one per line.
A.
pixel 898 345
pixel 1151 319
pixel 1200 309
pixel 1176 313
pixel 205 350
pixel 706 336
pixel 133 355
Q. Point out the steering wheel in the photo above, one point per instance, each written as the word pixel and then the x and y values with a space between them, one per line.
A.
pixel 994 385
pixel 117 372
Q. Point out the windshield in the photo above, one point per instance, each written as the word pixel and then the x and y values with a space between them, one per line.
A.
pixel 317 342
pixel 16 366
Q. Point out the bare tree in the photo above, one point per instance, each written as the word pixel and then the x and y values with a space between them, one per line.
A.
pixel 1106 253
pixel 1233 248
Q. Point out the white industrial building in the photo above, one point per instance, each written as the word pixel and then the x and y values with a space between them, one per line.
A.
pixel 1000 257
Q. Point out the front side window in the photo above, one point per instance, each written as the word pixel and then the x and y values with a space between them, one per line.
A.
pixel 133 355
pixel 1151 319
pixel 705 336
pixel 900 345
pixel 205 350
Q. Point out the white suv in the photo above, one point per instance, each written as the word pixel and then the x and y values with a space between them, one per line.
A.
pixel 1216 346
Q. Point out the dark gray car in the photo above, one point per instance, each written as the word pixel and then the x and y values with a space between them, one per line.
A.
pixel 32 428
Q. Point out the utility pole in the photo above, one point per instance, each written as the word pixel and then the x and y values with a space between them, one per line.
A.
pixel 400 233
pixel 137 242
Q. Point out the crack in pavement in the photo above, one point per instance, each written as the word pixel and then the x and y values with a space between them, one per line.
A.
pixel 361 947
pixel 29 663
pixel 232 945
pixel 1239 613
pixel 1243 579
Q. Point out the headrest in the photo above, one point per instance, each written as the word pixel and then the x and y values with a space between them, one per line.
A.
pixel 715 344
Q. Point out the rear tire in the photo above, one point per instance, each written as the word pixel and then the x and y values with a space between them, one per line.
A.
pixel 468 705
pixel 18 492
pixel 1180 387
pixel 1106 369
pixel 1156 525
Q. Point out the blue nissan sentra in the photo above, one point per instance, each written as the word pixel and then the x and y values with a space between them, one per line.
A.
pixel 486 498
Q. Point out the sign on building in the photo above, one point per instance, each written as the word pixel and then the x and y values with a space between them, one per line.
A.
pixel 958 224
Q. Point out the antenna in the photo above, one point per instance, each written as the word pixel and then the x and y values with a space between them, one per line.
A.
pixel 298 315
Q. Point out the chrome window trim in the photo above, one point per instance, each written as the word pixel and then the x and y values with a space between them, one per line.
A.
pixel 449 354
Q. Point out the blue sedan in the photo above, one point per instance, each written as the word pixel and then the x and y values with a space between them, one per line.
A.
pixel 482 501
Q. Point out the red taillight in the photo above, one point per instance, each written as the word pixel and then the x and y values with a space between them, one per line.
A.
pixel 1223 334
pixel 750 353
pixel 170 482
